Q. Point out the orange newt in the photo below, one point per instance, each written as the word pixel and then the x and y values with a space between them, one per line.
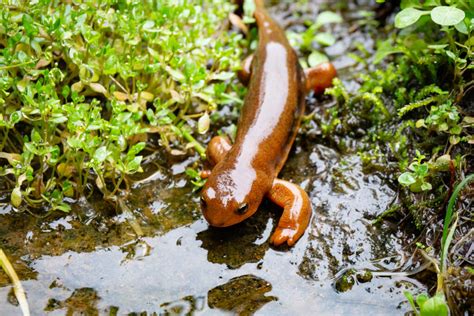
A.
pixel 246 172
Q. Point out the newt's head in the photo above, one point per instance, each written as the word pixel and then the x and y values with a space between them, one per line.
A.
pixel 231 196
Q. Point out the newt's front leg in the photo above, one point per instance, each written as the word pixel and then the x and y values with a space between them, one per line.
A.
pixel 217 148
pixel 320 77
pixel 292 198
pixel 296 212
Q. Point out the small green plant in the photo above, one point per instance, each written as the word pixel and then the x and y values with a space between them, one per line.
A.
pixel 424 305
pixel 452 15
pixel 443 119
pixel 436 305
pixel 416 178
pixel 304 41
pixel 195 177
pixel 455 20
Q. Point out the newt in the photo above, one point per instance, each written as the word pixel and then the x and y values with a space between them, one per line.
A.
pixel 244 173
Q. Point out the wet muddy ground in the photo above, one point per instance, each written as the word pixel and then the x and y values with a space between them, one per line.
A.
pixel 93 262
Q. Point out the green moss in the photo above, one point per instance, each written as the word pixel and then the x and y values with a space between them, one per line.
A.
pixel 412 104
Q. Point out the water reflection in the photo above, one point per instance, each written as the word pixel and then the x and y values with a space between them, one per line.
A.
pixel 237 245
pixel 188 305
pixel 242 295
pixel 83 301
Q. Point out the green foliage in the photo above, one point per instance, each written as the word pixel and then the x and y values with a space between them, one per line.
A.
pixel 437 305
pixel 423 83
pixel 446 239
pixel 440 14
pixel 249 9
pixel 443 119
pixel 428 306
pixel 312 36
pixel 408 17
pixel 316 58
pixel 85 86
pixel 195 175
pixel 416 178
pixel 456 22
pixel 447 16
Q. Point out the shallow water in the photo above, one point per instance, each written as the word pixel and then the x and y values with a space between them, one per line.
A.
pixel 92 261
pixel 183 265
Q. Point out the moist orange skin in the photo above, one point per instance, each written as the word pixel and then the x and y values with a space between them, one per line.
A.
pixel 246 172
pixel 320 77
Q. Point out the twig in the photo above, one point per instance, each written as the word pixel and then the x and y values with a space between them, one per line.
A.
pixel 17 287
pixel 17 65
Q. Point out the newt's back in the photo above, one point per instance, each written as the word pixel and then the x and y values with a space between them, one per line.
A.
pixel 275 100
pixel 266 130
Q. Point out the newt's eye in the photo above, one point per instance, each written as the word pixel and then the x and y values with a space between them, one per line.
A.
pixel 243 209
pixel 203 202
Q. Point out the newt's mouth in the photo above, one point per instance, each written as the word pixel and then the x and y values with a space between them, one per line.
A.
pixel 219 222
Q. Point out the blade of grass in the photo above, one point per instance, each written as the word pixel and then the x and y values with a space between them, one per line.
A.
pixel 448 219
pixel 131 218
pixel 17 287
pixel 199 148
pixel 411 300
pixel 444 255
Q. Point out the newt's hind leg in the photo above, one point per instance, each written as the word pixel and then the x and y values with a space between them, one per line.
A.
pixel 216 150
pixel 320 77
pixel 296 212
pixel 246 71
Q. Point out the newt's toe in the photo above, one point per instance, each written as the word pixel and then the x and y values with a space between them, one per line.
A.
pixel 285 235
